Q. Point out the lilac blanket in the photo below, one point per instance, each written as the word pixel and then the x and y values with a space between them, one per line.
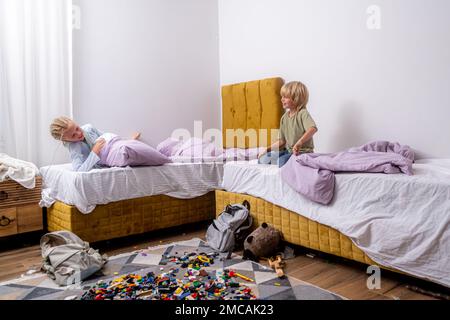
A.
pixel 196 148
pixel 122 153
pixel 312 175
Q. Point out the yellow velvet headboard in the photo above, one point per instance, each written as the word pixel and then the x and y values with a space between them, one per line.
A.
pixel 252 109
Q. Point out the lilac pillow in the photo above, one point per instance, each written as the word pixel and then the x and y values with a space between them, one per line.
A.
pixel 169 147
pixel 196 147
pixel 122 153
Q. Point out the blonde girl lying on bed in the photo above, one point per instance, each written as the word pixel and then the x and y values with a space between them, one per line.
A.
pixel 90 148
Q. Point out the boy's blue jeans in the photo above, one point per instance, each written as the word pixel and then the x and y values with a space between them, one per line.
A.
pixel 275 157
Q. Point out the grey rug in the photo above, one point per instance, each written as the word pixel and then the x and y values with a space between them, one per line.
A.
pixel 262 282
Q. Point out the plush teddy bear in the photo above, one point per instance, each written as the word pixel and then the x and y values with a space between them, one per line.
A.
pixel 263 242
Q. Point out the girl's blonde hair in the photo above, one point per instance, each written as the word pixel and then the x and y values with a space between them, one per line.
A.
pixel 58 126
pixel 297 92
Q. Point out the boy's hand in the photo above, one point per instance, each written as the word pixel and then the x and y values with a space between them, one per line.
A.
pixel 296 149
pixel 264 153
pixel 98 146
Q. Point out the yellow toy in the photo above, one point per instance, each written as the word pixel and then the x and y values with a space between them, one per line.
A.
pixel 243 277
pixel 278 265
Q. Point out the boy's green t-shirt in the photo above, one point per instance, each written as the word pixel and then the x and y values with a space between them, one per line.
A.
pixel 293 128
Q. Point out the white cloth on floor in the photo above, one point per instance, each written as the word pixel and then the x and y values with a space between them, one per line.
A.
pixel 22 172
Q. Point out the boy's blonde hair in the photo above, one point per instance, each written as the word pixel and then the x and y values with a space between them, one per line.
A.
pixel 297 92
pixel 58 126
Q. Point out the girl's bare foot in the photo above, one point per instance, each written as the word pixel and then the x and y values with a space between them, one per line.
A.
pixel 136 136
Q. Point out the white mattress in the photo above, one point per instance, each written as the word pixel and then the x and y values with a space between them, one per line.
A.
pixel 399 221
pixel 86 190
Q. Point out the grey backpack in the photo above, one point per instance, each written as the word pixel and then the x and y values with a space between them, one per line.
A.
pixel 67 259
pixel 231 228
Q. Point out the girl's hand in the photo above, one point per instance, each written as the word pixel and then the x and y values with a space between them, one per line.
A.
pixel 136 136
pixel 98 146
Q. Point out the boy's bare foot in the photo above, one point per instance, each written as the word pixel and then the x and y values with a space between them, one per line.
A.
pixel 136 136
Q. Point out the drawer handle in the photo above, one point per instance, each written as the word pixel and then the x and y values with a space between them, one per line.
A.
pixel 5 221
pixel 3 195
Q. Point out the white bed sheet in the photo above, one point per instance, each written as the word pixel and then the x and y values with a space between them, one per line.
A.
pixel 399 221
pixel 86 190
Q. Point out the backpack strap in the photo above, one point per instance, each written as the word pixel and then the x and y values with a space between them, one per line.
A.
pixel 242 228
pixel 246 204
pixel 231 210
pixel 250 223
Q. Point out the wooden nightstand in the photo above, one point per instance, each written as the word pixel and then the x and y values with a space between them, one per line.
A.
pixel 19 208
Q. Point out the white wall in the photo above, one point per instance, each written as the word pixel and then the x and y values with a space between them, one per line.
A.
pixel 392 83
pixel 147 65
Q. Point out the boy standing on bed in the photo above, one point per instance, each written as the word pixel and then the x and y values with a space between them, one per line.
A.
pixel 297 127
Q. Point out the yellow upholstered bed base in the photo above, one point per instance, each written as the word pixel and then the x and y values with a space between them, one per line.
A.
pixel 129 217
pixel 251 107
pixel 295 228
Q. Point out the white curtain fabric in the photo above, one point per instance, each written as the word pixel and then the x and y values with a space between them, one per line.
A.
pixel 35 76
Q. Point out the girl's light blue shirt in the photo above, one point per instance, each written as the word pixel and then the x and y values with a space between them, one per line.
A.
pixel 83 159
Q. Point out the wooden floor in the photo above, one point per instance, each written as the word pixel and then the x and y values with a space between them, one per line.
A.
pixel 346 278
